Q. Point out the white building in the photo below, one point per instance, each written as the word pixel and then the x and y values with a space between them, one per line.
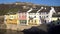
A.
pixel 42 15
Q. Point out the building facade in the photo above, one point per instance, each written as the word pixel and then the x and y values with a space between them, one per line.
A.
pixel 22 18
pixel 11 19
pixel 31 17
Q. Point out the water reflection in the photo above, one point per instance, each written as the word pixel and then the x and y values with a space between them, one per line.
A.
pixel 3 31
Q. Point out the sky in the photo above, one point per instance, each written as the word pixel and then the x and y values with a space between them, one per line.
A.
pixel 42 2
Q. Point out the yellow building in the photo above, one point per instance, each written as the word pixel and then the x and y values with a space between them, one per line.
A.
pixel 11 19
pixel 32 19
pixel 54 18
pixel 33 22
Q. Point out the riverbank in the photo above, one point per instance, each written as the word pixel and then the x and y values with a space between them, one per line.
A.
pixel 16 27
pixel 29 30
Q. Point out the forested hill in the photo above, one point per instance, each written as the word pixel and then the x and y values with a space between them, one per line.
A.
pixel 21 6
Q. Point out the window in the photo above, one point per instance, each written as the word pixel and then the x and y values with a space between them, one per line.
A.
pixel 32 21
pixel 40 16
pixel 35 21
pixel 46 16
pixel 28 20
pixel 34 16
pixel 23 21
pixel 11 16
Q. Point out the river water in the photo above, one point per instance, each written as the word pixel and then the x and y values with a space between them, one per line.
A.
pixel 33 30
pixel 3 31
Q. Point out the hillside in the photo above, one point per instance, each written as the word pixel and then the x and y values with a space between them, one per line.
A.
pixel 22 6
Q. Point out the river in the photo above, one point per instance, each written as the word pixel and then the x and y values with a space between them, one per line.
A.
pixel 3 31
